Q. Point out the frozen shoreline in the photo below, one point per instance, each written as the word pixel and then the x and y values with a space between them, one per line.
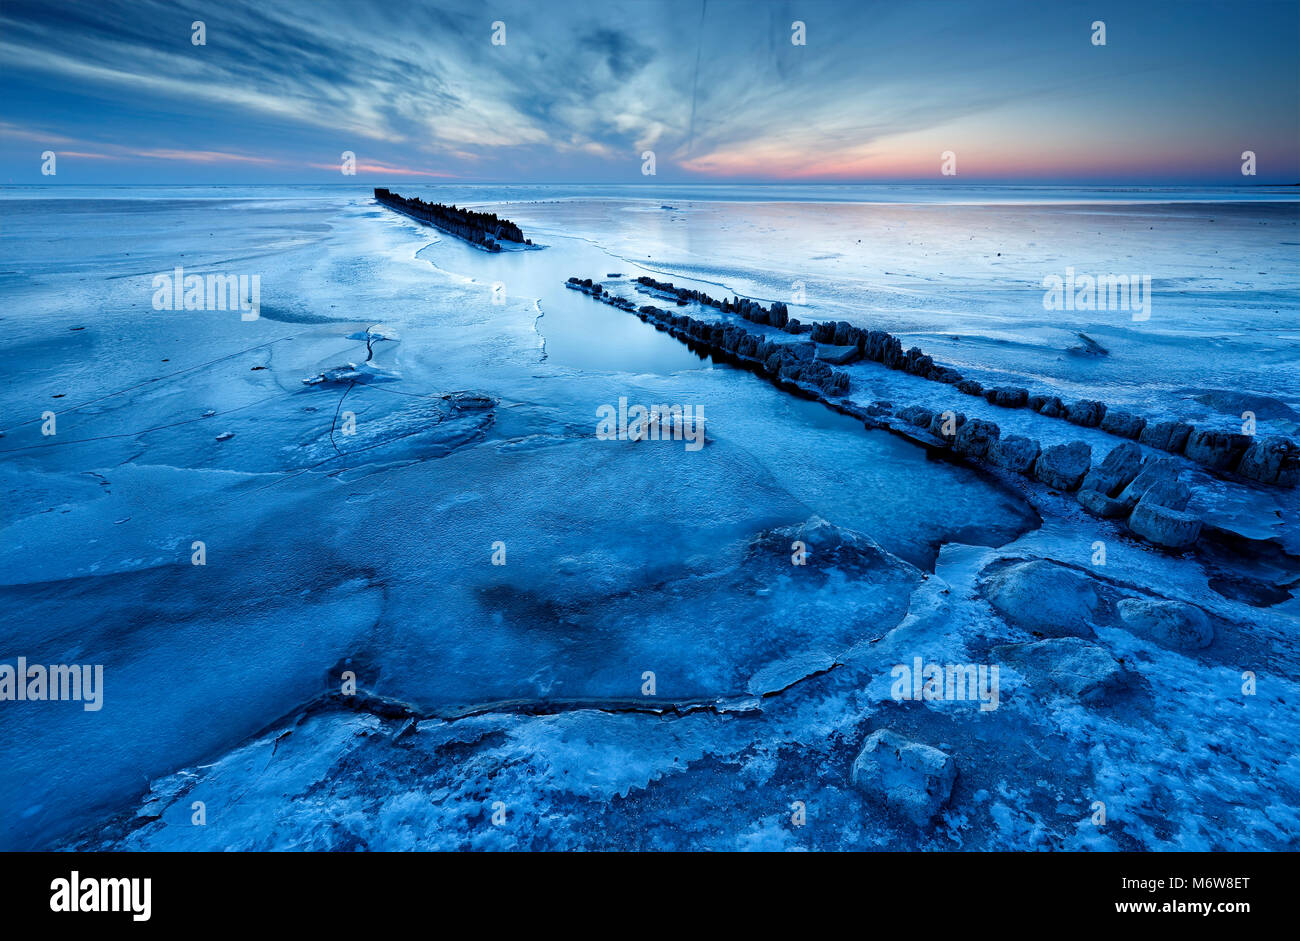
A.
pixel 608 576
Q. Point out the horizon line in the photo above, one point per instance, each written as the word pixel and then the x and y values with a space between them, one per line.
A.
pixel 1184 185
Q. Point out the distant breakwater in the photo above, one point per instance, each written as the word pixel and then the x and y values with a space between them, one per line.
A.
pixel 1124 485
pixel 485 230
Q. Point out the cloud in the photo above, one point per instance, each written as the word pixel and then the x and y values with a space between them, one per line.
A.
pixel 111 151
pixel 623 55
pixel 385 169
pixel 715 89
pixel 203 156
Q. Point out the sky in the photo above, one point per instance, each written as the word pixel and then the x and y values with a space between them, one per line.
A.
pixel 573 91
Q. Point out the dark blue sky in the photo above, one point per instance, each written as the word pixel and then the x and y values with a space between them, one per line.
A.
pixel 580 90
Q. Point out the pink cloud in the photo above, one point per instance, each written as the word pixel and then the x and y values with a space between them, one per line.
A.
pixel 383 169
pixel 200 156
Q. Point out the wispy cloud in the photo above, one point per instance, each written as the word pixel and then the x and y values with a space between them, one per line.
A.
pixel 579 91
pixel 385 169
pixel 204 156
pixel 111 151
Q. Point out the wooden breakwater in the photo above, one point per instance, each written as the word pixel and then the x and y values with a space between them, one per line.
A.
pixel 1125 486
pixel 1270 460
pixel 486 230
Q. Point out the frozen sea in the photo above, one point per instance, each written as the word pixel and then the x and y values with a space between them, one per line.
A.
pixel 352 527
